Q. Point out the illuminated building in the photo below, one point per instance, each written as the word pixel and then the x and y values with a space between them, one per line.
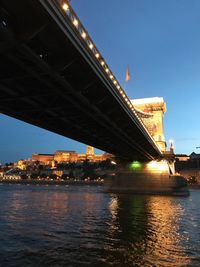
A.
pixel 43 158
pixel 21 164
pixel 65 156
pixel 62 156
pixel 81 157
pixel 182 157
pixel 90 153
pixel 89 150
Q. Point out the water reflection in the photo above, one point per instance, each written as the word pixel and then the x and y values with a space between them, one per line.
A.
pixel 83 226
pixel 146 231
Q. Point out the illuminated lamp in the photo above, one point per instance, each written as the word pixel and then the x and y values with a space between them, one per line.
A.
pixel 75 22
pixel 65 7
pixel 107 70
pixel 91 45
pixel 136 165
pixel 83 35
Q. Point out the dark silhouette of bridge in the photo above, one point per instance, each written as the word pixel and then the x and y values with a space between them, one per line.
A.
pixel 53 76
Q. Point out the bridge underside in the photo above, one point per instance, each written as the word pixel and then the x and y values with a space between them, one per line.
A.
pixel 49 78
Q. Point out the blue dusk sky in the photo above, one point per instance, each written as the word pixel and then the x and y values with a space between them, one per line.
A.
pixel 160 41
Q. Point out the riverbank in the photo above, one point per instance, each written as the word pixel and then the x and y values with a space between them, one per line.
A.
pixel 53 182
pixel 194 186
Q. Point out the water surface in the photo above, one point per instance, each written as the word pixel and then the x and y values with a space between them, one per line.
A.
pixel 48 225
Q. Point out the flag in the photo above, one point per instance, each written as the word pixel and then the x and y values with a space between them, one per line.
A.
pixel 128 76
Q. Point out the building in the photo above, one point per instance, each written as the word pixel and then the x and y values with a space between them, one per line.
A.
pixel 182 157
pixel 68 156
pixel 43 158
pixel 61 156
pixel 194 156
pixel 1 173
pixel 188 166
pixel 89 150
pixel 21 164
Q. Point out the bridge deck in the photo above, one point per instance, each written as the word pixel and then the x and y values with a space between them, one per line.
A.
pixel 50 78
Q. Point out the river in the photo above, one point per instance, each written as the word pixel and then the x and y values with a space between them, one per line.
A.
pixel 51 225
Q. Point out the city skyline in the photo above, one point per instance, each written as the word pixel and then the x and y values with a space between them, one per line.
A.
pixel 159 42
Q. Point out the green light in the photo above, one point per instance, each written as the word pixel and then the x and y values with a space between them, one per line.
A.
pixel 135 165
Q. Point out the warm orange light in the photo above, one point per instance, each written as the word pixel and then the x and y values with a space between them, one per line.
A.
pixel 65 6
pixel 113 206
pixel 75 22
pixel 91 45
pixel 157 166
pixel 83 35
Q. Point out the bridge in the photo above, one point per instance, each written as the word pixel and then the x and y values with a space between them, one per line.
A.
pixel 53 76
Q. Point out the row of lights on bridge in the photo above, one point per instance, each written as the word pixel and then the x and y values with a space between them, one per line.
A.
pixel 77 24
pixel 97 54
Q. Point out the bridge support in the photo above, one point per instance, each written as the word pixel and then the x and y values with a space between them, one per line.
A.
pixel 154 177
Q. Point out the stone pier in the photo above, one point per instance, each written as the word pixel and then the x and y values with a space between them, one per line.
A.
pixel 147 178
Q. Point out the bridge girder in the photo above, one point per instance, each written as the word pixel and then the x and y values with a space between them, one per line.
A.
pixel 50 79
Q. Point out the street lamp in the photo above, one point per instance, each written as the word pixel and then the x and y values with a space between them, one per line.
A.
pixel 171 145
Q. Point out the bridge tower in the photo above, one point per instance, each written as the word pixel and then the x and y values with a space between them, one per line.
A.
pixel 151 111
pixel 156 176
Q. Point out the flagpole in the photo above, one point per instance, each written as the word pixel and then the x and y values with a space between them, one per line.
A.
pixel 127 77
pixel 125 83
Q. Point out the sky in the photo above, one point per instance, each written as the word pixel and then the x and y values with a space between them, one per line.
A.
pixel 160 41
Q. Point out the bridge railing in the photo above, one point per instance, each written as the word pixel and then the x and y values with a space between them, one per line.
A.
pixel 83 34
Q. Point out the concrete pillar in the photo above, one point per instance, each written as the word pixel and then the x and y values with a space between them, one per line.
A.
pixel 146 178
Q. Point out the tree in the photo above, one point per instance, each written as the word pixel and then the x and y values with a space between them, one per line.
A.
pixel 53 176
pixel 192 180
pixel 65 176
pixel 43 175
pixel 71 175
pixel 24 176
pixel 34 176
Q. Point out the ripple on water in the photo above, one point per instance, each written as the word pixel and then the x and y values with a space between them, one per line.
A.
pixel 83 226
